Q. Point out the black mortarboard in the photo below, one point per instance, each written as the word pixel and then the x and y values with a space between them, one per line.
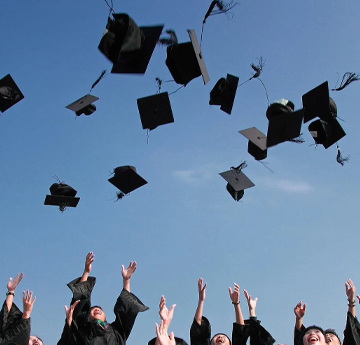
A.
pixel 317 103
pixel 128 46
pixel 185 61
pixel 62 195
pixel 284 122
pixel 237 182
pixel 83 105
pixel 155 110
pixel 126 179
pixel 10 94
pixel 223 93
pixel 256 144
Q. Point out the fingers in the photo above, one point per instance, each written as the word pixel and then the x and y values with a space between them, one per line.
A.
pixel 73 306
pixel 172 337
pixel 162 302
pixel 172 308
pixel 247 296
pixel 358 297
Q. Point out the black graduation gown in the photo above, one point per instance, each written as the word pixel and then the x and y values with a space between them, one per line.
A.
pixel 83 332
pixel 13 329
pixel 201 334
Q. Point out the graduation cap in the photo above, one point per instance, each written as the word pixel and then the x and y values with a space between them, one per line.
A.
pixel 10 94
pixel 185 61
pixel 284 122
pixel 155 110
pixel 256 144
pixel 126 179
pixel 128 46
pixel 83 105
pixel 237 181
pixel 223 93
pixel 62 195
pixel 317 103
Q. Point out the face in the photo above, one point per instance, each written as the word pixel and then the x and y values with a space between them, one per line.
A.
pixel 332 339
pixel 97 314
pixel 220 339
pixel 35 340
pixel 314 337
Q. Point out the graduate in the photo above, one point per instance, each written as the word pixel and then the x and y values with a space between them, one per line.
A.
pixel 86 324
pixel 15 325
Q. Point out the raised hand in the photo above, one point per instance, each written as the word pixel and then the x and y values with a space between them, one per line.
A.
pixel 28 302
pixel 201 289
pixel 164 313
pixel 299 310
pixel 90 257
pixel 234 295
pixel 69 312
pixel 12 284
pixel 127 273
pixel 162 336
pixel 350 290
pixel 251 303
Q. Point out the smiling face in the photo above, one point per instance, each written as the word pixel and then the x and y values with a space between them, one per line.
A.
pixel 35 340
pixel 314 337
pixel 220 339
pixel 332 339
pixel 96 313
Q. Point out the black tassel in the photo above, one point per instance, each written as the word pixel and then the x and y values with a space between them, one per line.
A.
pixel 347 79
pixel 241 166
pixel 222 8
pixel 159 83
pixel 119 195
pixel 102 75
pixel 339 158
pixel 169 41
pixel 298 140
pixel 258 68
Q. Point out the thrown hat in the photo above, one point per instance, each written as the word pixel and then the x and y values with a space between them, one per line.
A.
pixel 223 93
pixel 128 46
pixel 83 105
pixel 155 110
pixel 284 122
pixel 126 179
pixel 62 195
pixel 326 130
pixel 10 94
pixel 185 61
pixel 256 144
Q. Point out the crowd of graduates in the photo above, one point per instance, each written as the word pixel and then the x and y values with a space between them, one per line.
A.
pixel 86 324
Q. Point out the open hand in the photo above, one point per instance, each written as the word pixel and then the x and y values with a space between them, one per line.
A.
pixel 12 284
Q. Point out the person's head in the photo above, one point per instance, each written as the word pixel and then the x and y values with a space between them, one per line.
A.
pixel 313 335
pixel 33 340
pixel 220 339
pixel 96 313
pixel 331 337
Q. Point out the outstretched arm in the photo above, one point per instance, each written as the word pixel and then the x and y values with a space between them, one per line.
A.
pixel 350 293
pixel 11 286
pixel 90 257
pixel 127 273
pixel 299 312
pixel 234 296
pixel 28 302
pixel 251 304
pixel 199 309
pixel 165 314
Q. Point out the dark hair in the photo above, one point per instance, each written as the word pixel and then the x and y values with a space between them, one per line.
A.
pixel 95 306
pixel 37 337
pixel 311 327
pixel 218 334
pixel 332 331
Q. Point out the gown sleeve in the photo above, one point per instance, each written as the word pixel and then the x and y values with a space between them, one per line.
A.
pixel 240 333
pixel 352 331
pixel 12 327
pixel 297 335
pixel 126 309
pixel 200 334
pixel 258 334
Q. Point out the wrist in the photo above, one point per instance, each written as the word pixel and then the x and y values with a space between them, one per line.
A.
pixel 235 303
pixel 11 293
pixel 26 315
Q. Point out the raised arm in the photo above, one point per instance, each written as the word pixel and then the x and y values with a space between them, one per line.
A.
pixel 200 306
pixel 28 302
pixel 251 304
pixel 90 257
pixel 127 273
pixel 299 312
pixel 234 296
pixel 350 293
pixel 11 286
pixel 165 314
pixel 162 336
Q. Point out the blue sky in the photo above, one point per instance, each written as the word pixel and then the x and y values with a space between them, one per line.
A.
pixel 292 237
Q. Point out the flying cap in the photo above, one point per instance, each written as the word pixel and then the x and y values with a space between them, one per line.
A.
pixel 62 195
pixel 185 61
pixel 317 103
pixel 10 94
pixel 256 144
pixel 126 179
pixel 128 46
pixel 83 105
pixel 155 110
pixel 284 122
pixel 237 182
pixel 223 93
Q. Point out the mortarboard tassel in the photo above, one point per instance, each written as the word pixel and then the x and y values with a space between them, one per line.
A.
pixel 222 8
pixel 102 75
pixel 339 158
pixel 347 79
pixel 241 166
pixel 169 41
